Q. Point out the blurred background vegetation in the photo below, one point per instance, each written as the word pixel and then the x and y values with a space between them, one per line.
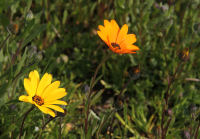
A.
pixel 59 37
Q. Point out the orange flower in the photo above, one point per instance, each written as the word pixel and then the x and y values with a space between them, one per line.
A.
pixel 117 39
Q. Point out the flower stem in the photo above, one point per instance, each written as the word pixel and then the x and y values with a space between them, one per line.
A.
pixel 60 128
pixel 197 129
pixel 22 125
pixel 44 126
pixel 166 98
pixel 4 42
pixel 90 91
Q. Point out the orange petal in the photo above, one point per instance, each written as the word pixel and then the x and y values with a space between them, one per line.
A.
pixel 101 28
pixel 103 36
pixel 114 31
pixel 130 48
pixel 106 23
pixel 114 24
pixel 122 33
pixel 129 40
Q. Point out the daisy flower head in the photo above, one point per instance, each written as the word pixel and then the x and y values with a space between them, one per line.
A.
pixel 42 93
pixel 117 39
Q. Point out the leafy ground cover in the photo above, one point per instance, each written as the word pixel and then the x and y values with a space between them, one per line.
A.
pixel 151 94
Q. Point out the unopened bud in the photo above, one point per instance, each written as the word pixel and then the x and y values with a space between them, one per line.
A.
pixel 184 55
pixel 170 112
pixel 29 15
pixel 13 28
pixel 136 69
pixel 187 134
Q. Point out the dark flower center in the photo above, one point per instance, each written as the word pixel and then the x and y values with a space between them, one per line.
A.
pixel 115 45
pixel 38 100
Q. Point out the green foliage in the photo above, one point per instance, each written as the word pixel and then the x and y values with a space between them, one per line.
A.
pixel 59 37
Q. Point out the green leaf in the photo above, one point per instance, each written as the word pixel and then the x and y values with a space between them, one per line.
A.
pixel 11 128
pixel 36 30
pixel 3 89
pixel 21 63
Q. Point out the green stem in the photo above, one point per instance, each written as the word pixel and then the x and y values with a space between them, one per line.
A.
pixel 3 43
pixel 44 126
pixel 197 129
pixel 60 128
pixel 167 95
pixel 90 91
pixel 25 115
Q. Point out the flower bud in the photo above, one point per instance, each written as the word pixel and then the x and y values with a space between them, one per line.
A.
pixel 13 28
pixel 29 15
pixel 184 54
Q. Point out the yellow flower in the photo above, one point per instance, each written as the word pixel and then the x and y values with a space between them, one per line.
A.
pixel 42 93
pixel 117 39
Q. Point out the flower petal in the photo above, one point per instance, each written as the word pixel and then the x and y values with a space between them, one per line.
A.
pixel 101 28
pixel 129 47
pixel 54 107
pixel 110 31
pixel 28 87
pixel 115 30
pixel 131 38
pixel 102 36
pixel 128 40
pixel 122 33
pixel 114 24
pixel 45 81
pixel 46 110
pixel 56 94
pixel 34 79
pixel 56 102
pixel 26 99
pixel 106 23
pixel 50 88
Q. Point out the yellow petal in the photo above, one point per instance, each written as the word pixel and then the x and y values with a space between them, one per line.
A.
pixel 35 74
pixel 28 87
pixel 122 33
pixel 54 107
pixel 45 81
pixel 56 94
pixel 46 110
pixel 56 102
pixel 26 99
pixel 50 89
pixel 34 79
